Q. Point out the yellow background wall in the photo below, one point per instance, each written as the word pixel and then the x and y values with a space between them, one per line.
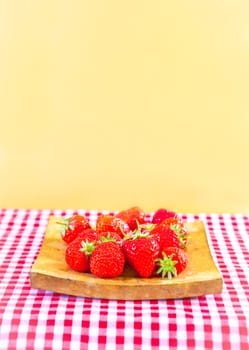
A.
pixel 109 104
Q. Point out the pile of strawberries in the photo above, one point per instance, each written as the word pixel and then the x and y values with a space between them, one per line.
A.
pixel 150 247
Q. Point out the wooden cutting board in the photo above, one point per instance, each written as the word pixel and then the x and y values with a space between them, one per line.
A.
pixel 50 272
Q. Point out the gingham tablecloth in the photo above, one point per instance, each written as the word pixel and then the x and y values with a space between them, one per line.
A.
pixel 36 319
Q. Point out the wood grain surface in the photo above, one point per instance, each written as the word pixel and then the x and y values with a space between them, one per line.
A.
pixel 50 272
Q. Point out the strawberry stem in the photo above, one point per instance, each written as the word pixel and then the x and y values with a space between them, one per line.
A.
pixel 61 223
pixel 64 224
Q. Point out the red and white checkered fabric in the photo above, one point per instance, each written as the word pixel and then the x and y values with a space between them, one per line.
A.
pixel 35 319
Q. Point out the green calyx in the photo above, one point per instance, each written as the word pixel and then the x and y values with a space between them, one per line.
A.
pixel 183 240
pixel 108 238
pixel 175 228
pixel 87 247
pixel 166 266
pixel 64 225
pixel 149 227
pixel 182 237
pixel 138 234
pixel 142 230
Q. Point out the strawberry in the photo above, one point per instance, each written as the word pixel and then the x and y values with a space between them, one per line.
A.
pixel 173 231
pixel 179 227
pixel 162 214
pixel 72 226
pixel 172 220
pixel 77 254
pixel 166 235
pixel 107 260
pixel 88 234
pixel 132 216
pixel 109 223
pixel 140 251
pixel 171 262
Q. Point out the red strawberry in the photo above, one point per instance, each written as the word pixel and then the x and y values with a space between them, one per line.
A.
pixel 77 254
pixel 179 227
pixel 140 251
pixel 162 214
pixel 71 227
pixel 167 236
pixel 173 231
pixel 132 216
pixel 172 262
pixel 89 235
pixel 174 220
pixel 107 260
pixel 110 223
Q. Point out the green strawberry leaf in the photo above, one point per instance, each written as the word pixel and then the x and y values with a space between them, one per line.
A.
pixel 87 247
pixel 64 225
pixel 166 266
pixel 176 228
pixel 107 238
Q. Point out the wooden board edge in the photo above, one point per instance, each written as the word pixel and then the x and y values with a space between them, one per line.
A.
pixel 123 292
